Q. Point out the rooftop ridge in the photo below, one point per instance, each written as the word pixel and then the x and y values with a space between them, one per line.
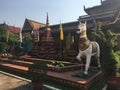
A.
pixel 34 21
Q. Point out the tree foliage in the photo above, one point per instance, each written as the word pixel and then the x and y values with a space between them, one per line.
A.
pixel 7 41
pixel 26 45
pixel 117 58
pixel 107 41
pixel 3 47
pixel 3 33
pixel 13 38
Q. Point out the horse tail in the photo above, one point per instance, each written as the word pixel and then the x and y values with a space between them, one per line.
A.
pixel 98 50
pixel 95 48
pixel 98 54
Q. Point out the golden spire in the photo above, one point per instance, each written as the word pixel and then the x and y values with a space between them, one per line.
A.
pixel 47 23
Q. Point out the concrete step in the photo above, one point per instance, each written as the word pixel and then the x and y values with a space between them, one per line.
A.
pixel 13 67
pixel 32 59
pixel 16 62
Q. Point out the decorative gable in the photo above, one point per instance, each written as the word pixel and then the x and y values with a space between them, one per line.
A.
pixel 31 25
pixel 27 26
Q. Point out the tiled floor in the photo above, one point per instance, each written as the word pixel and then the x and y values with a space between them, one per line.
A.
pixel 8 82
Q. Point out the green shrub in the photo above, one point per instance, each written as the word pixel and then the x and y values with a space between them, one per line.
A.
pixel 117 58
pixel 37 71
pixel 107 41
pixel 3 47
pixel 57 63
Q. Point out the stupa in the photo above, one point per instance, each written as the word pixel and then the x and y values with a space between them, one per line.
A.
pixel 47 48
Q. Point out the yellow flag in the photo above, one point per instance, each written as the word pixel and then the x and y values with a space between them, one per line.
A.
pixel 61 32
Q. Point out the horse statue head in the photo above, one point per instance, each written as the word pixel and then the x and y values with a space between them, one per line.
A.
pixel 82 27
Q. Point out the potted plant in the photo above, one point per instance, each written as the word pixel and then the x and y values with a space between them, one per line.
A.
pixel 37 72
pixel 57 63
pixel 107 41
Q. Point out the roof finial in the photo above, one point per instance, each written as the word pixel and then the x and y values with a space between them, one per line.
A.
pixel 84 7
pixel 47 23
pixel 101 1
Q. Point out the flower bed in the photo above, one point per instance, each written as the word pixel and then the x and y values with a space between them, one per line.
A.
pixel 63 67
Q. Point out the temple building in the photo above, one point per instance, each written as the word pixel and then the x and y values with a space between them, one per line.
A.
pixel 69 44
pixel 43 32
pixel 108 13
pixel 106 6
pixel 32 27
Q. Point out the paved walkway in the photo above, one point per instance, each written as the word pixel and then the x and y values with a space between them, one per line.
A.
pixel 9 82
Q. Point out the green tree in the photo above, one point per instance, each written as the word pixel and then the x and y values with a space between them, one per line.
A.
pixel 3 36
pixel 13 38
pixel 7 41
pixel 13 43
pixel 3 47
pixel 27 43
pixel 3 33
pixel 117 57
pixel 107 41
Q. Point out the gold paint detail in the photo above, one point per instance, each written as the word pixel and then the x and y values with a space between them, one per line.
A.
pixel 84 45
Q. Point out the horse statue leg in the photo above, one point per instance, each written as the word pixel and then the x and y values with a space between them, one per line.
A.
pixel 99 65
pixel 87 65
pixel 78 57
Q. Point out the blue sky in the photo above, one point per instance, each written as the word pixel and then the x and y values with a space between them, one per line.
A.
pixel 14 12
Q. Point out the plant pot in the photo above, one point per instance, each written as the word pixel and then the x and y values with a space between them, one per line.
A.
pixel 113 83
pixel 37 85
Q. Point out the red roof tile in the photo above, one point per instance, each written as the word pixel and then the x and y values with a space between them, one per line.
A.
pixel 13 29
pixel 35 24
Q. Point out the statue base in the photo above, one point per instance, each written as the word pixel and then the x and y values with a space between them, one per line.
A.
pixel 92 71
pixel 77 80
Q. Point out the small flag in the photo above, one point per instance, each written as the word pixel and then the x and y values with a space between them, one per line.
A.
pixel 61 32
pixel 20 35
pixel 7 36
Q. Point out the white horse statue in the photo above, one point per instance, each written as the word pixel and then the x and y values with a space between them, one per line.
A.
pixel 87 48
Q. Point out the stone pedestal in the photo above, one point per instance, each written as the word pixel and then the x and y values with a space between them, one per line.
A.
pixel 67 79
pixel 72 53
pixel 34 51
pixel 47 48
